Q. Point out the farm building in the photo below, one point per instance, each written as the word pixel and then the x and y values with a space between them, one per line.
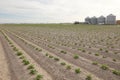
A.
pixel 88 20
pixel 118 22
pixel 111 19
pixel 93 20
pixel 101 20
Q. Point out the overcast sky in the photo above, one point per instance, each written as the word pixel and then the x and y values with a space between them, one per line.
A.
pixel 44 11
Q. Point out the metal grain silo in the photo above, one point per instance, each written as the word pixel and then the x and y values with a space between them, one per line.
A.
pixel 101 20
pixel 111 19
pixel 87 20
pixel 94 20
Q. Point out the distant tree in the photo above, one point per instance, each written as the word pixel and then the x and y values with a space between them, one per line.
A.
pixel 76 22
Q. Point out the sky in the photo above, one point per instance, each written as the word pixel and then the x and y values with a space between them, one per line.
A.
pixel 55 11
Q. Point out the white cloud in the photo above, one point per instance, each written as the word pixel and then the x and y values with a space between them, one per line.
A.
pixel 56 10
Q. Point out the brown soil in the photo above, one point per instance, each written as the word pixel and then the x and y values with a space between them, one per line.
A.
pixel 87 56
pixel 16 68
pixel 96 70
pixel 4 71
pixel 56 71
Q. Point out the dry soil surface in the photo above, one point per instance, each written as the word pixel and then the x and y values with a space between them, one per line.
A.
pixel 4 71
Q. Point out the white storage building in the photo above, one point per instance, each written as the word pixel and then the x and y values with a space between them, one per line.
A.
pixel 111 19
pixel 101 20
pixel 94 20
pixel 88 20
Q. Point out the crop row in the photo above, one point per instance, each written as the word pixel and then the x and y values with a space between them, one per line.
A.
pixel 24 60
pixel 68 66
pixel 104 67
